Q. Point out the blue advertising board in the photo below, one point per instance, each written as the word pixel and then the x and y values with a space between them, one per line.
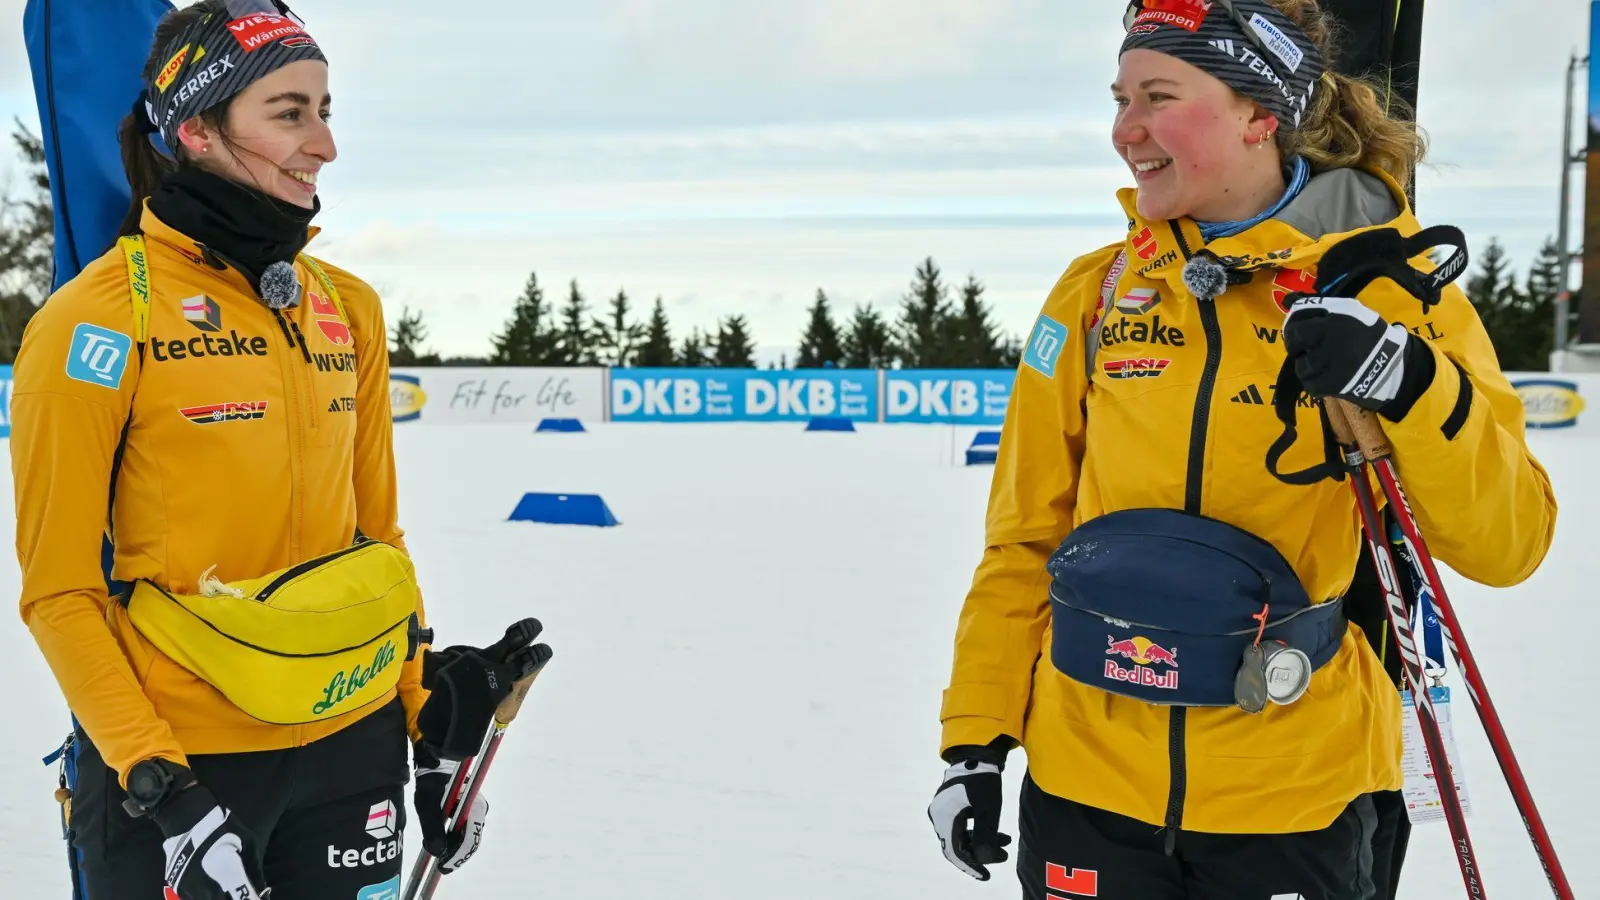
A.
pixel 947 396
pixel 742 395
pixel 5 401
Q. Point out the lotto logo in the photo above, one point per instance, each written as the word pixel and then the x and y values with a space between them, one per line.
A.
pixel 380 820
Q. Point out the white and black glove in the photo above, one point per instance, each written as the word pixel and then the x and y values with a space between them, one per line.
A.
pixel 1340 348
pixel 965 811
pixel 451 848
pixel 210 854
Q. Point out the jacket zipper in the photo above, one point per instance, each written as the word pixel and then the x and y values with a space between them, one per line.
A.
pixel 296 440
pixel 1194 484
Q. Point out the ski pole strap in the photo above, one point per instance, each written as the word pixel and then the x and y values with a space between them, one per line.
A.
pixel 1424 617
pixel 1344 271
pixel 1357 261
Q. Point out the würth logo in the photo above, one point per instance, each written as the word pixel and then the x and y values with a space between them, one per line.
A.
pixel 328 321
pixel 212 413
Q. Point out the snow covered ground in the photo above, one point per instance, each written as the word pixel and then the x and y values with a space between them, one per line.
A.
pixel 744 698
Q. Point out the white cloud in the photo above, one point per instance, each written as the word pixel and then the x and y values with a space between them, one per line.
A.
pixel 735 156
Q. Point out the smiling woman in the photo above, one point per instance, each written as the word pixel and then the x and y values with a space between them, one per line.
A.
pixel 1134 474
pixel 231 738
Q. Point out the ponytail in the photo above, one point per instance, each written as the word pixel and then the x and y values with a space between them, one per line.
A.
pixel 1349 123
pixel 144 166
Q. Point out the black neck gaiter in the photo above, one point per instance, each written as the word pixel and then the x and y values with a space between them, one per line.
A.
pixel 244 227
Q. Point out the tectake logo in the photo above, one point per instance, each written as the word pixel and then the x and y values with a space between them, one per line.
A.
pixel 1139 301
pixel 202 313
pixel 381 820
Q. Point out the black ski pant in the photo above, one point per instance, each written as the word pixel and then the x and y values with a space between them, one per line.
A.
pixel 320 814
pixel 1068 851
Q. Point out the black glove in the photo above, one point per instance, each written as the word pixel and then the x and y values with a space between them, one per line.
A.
pixel 971 791
pixel 467 683
pixel 210 855
pixel 1340 348
pixel 451 848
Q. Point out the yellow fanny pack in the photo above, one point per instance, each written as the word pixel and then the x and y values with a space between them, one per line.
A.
pixel 318 639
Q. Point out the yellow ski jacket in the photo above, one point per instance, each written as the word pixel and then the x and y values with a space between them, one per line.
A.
pixel 254 441
pixel 1178 414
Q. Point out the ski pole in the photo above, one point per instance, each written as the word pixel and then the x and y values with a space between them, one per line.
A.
pixel 1400 621
pixel 425 874
pixel 1363 429
pixel 452 798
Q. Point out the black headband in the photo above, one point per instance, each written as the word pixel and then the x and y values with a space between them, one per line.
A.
pixel 1247 44
pixel 219 56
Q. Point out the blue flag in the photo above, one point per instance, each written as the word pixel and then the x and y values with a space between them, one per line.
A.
pixel 86 56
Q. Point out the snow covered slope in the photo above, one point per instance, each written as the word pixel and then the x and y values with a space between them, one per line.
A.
pixel 744 698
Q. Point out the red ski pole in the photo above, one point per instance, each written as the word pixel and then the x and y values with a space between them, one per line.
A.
pixel 1363 429
pixel 425 874
pixel 1394 600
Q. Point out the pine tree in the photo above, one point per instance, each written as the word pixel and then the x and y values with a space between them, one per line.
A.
pixel 819 344
pixel 406 338
pixel 27 246
pixel 616 338
pixel 656 350
pixel 922 330
pixel 1536 334
pixel 575 337
pixel 975 341
pixel 1493 292
pixel 528 338
pixel 867 341
pixel 734 348
pixel 695 352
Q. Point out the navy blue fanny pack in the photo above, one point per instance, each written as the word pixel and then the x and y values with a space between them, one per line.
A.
pixel 1181 609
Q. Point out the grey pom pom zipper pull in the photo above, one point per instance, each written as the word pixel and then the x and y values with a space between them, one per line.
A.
pixel 1204 276
pixel 280 286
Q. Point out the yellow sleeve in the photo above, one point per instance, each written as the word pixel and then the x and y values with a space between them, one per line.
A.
pixel 1000 630
pixel 1484 504
pixel 377 501
pixel 74 378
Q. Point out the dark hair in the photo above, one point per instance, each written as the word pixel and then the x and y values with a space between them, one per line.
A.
pixel 141 161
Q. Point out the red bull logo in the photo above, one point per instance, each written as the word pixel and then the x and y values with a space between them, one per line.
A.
pixel 1144 653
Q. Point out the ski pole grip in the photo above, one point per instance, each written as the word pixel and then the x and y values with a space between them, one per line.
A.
pixel 1352 424
pixel 512 704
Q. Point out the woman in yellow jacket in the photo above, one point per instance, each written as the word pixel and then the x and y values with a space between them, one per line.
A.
pixel 1133 519
pixel 216 403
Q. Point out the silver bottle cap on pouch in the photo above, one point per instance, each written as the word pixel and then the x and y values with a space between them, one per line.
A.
pixel 1288 673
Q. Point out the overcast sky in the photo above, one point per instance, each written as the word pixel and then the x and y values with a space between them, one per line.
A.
pixel 733 156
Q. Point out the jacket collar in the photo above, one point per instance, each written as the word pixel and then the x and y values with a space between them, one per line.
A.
pixel 160 232
pixel 1333 205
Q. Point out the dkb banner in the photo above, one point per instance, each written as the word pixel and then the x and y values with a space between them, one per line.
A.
pixel 949 396
pixel 742 395
pixel 5 401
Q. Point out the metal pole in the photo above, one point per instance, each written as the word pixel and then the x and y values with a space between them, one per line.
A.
pixel 1562 237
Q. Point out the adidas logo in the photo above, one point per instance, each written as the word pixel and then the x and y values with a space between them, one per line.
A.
pixel 1251 395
